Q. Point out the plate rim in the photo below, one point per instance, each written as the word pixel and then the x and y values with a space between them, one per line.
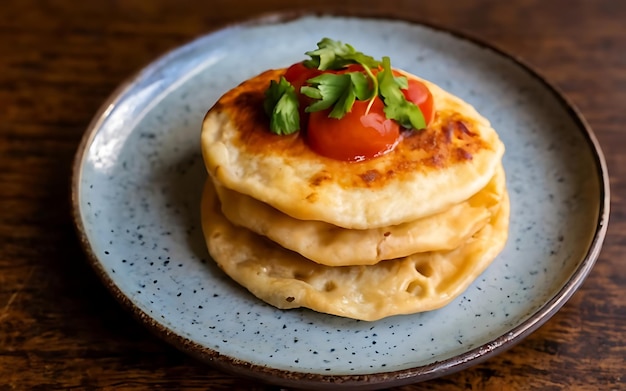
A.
pixel 303 379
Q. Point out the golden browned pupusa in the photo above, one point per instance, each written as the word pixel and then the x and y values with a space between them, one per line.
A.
pixel 400 233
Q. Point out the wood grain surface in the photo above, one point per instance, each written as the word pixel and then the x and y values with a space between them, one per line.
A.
pixel 59 59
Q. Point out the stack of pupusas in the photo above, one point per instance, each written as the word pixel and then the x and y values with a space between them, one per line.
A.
pixel 361 233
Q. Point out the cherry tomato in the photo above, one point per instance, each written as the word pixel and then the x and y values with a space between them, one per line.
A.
pixel 420 95
pixel 355 137
pixel 297 74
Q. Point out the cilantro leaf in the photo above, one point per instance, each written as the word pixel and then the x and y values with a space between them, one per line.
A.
pixel 402 81
pixel 338 91
pixel 396 106
pixel 281 105
pixel 336 55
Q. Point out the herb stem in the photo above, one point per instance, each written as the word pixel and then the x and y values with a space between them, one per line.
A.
pixel 374 88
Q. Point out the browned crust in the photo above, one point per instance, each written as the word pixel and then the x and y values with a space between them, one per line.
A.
pixel 448 140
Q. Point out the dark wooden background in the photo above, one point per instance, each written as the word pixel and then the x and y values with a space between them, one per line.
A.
pixel 59 327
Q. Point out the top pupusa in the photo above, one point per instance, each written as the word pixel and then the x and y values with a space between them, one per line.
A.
pixel 425 172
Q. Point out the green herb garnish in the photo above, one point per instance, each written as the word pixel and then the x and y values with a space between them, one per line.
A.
pixel 397 107
pixel 281 105
pixel 336 55
pixel 339 91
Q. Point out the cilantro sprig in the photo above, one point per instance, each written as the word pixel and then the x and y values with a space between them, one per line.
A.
pixel 281 105
pixel 339 91
pixel 337 55
pixel 406 113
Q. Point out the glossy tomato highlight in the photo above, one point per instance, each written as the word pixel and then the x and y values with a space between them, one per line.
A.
pixel 355 137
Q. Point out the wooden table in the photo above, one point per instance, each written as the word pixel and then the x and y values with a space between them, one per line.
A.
pixel 60 328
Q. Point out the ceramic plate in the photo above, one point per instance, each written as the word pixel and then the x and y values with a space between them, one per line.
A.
pixel 139 174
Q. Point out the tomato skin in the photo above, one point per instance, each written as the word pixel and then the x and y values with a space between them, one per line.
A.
pixel 356 136
pixel 421 96
pixel 298 74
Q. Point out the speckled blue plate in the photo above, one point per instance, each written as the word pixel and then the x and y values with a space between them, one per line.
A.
pixel 138 178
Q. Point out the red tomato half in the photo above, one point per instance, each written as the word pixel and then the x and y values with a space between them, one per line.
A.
pixel 355 137
pixel 420 95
